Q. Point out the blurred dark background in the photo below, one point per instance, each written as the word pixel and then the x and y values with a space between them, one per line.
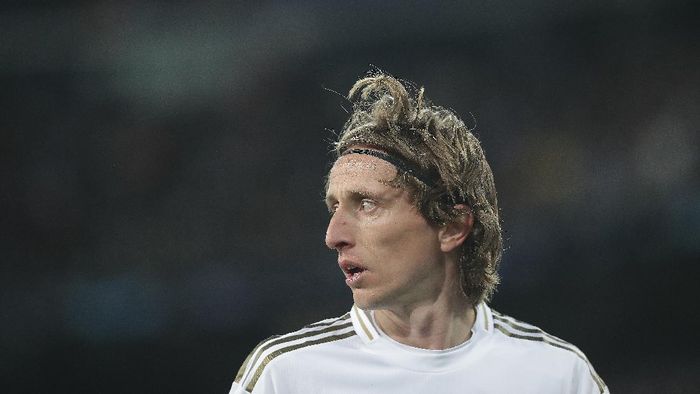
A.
pixel 161 170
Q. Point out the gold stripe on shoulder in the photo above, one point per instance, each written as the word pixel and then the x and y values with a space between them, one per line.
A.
pixel 540 336
pixel 273 355
pixel 360 316
pixel 548 339
pixel 243 368
pixel 521 327
pixel 319 328
pixel 528 328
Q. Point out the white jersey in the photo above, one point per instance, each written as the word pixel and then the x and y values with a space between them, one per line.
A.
pixel 349 354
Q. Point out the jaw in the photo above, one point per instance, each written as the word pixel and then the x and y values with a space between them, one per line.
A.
pixel 372 298
pixel 366 299
pixel 406 296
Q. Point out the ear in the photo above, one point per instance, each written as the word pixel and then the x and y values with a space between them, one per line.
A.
pixel 452 235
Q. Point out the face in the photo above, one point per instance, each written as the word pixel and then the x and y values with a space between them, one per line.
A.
pixel 389 253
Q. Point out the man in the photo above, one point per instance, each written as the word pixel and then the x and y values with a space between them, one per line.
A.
pixel 414 220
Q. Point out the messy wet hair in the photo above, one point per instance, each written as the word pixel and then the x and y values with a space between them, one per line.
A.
pixel 395 117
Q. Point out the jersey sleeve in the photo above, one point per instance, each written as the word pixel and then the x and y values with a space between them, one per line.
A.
pixel 244 370
pixel 247 371
pixel 586 380
pixel 237 389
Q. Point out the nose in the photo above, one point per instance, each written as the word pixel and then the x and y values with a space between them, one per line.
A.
pixel 338 233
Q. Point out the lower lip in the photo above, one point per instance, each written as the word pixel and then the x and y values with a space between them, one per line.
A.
pixel 353 279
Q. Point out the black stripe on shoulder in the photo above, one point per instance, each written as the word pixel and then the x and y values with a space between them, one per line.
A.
pixel 519 330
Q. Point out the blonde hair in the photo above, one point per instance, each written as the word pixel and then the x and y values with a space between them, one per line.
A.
pixel 387 117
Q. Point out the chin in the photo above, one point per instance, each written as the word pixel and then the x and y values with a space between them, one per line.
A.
pixel 366 301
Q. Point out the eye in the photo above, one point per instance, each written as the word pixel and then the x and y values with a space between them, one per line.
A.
pixel 332 209
pixel 367 205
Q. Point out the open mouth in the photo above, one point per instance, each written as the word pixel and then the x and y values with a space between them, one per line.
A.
pixel 352 272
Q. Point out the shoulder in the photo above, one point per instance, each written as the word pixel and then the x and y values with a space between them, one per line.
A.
pixel 520 332
pixel 280 346
pixel 548 347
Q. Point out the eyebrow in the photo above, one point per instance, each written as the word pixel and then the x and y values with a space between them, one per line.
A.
pixel 356 194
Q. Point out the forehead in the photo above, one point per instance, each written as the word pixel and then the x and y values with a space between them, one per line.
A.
pixel 360 169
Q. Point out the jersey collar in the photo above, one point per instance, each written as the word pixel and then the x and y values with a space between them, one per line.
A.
pixel 363 325
pixel 365 328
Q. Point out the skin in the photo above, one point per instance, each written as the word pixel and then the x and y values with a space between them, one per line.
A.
pixel 411 277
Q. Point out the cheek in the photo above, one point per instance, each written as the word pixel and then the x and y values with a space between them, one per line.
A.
pixel 400 240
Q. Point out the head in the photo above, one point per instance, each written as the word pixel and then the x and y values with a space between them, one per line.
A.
pixel 426 153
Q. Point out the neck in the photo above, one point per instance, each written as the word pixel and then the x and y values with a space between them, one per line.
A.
pixel 441 323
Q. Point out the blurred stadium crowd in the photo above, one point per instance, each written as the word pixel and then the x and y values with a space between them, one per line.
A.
pixel 161 172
